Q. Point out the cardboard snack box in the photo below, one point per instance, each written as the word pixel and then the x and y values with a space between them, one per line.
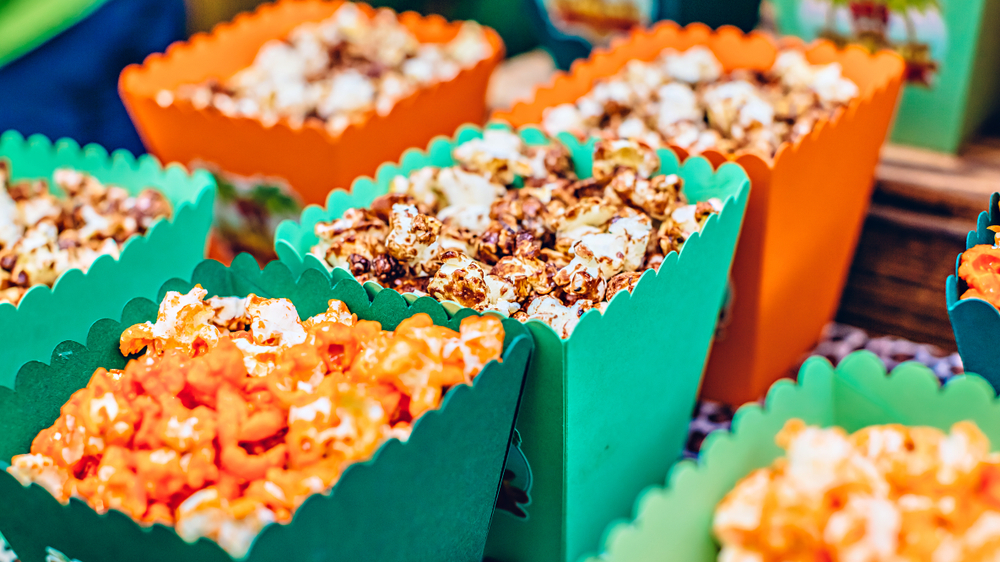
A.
pixel 607 410
pixel 47 316
pixel 674 522
pixel 429 498
pixel 311 159
pixel 806 206
pixel 976 323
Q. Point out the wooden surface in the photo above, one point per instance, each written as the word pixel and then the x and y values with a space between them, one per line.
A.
pixel 946 185
pixel 924 205
pixel 896 283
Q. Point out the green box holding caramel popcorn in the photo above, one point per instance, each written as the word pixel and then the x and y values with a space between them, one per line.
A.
pixel 172 246
pixel 606 408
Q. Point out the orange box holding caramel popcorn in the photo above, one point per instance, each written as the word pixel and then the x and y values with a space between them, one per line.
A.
pixel 314 159
pixel 806 206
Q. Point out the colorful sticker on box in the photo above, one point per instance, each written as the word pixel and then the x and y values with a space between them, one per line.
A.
pixel 913 28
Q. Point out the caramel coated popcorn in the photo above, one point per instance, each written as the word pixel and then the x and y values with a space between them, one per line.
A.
pixel 43 235
pixel 686 99
pixel 337 71
pixel 511 228
pixel 886 493
pixel 238 411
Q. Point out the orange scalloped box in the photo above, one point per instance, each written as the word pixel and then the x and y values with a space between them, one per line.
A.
pixel 806 207
pixel 310 158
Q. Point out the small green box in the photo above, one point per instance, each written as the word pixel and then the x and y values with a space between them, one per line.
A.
pixel 976 322
pixel 45 317
pixel 605 412
pixel 430 498
pixel 952 54
pixel 675 522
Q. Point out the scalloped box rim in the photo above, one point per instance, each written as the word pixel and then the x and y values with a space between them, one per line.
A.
pixel 725 32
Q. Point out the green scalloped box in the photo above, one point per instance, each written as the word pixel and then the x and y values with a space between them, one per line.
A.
pixel 675 522
pixel 47 316
pixel 430 498
pixel 605 412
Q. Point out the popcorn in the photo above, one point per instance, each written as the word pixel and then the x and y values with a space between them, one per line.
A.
pixel 510 228
pixel 563 319
pixel 980 270
pixel 589 215
pixel 622 282
pixel 238 411
pixel 733 107
pixel 885 493
pixel 337 71
pixel 676 103
pixel 697 64
pixel 654 196
pixel 528 274
pixel 412 236
pixel 43 235
pixel 686 99
pixel 465 281
pixel 352 241
pixel 498 154
pixel 564 118
pixel 637 156
pixel 825 81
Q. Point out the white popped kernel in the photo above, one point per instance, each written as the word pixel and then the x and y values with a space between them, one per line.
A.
pixel 552 312
pixel 196 500
pixel 275 320
pixel 106 403
pixel 464 188
pixel 677 102
pixel 105 472
pixel 697 64
pixel 181 430
pixel 349 91
pixel 274 490
pixel 162 456
pixel 562 118
pixel 308 412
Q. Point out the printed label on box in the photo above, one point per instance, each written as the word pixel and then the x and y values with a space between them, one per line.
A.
pixel 912 28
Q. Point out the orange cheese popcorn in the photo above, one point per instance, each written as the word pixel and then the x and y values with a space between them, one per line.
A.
pixel 238 411
pixel 980 269
pixel 887 493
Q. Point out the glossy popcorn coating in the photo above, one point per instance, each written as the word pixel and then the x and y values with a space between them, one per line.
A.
pixel 337 71
pixel 43 234
pixel 511 228
pixel 887 493
pixel 686 99
pixel 237 411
